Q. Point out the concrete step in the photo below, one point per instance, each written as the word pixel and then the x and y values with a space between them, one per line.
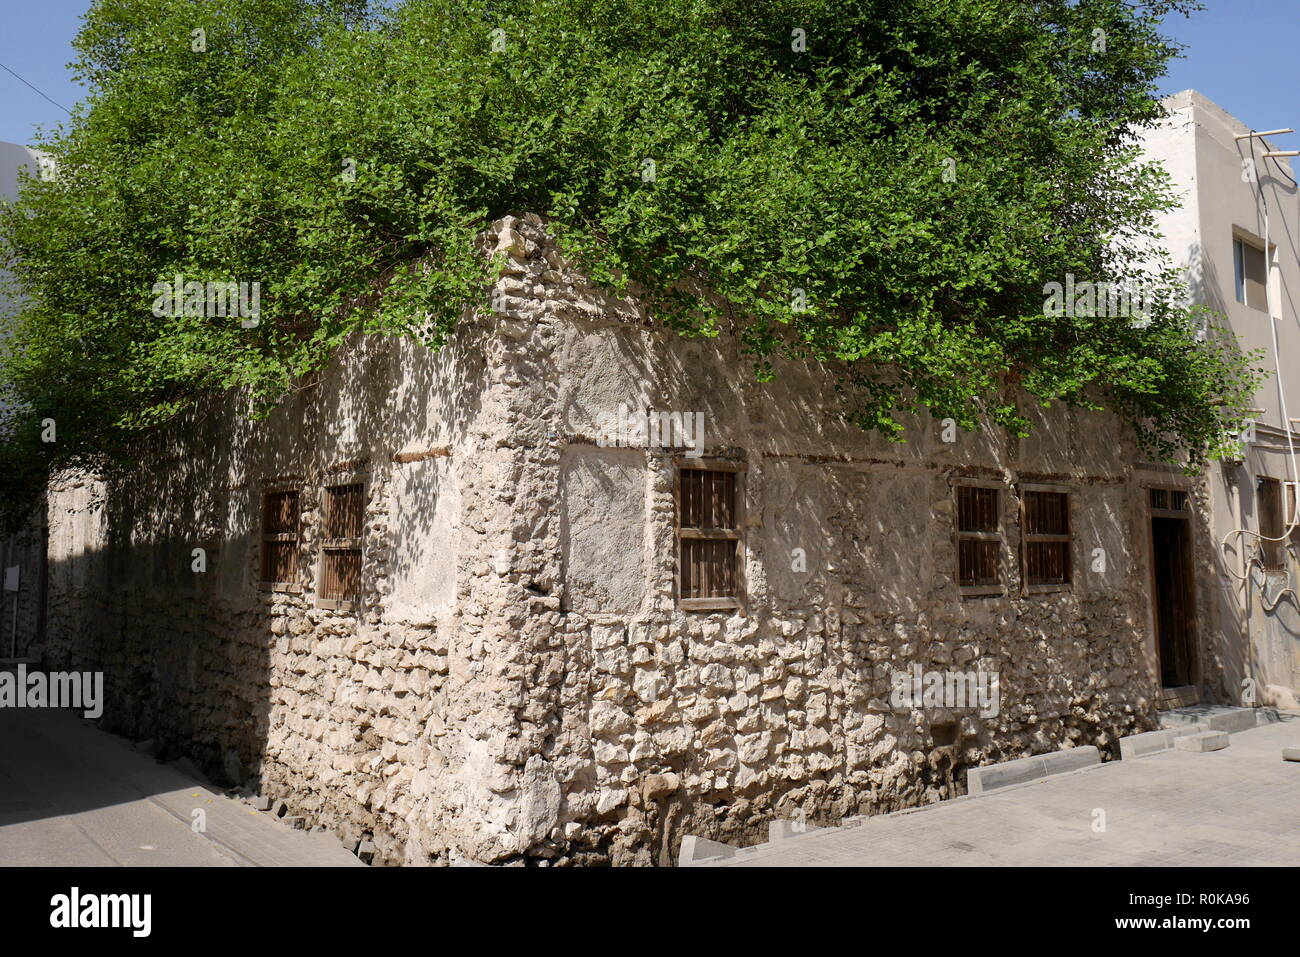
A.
pixel 1184 697
pixel 1202 741
pixel 990 777
pixel 1219 718
pixel 1153 742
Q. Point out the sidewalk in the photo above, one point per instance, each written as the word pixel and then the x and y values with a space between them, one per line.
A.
pixel 73 795
pixel 1235 807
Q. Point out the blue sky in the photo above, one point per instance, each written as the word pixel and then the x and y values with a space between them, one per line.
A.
pixel 1241 54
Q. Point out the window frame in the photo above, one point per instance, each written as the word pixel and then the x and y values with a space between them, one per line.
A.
pixel 740 469
pixel 328 545
pixel 1026 539
pixel 1241 292
pixel 1167 510
pixel 288 487
pixel 1272 555
pixel 999 536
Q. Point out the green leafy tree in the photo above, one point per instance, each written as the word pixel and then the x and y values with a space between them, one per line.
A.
pixel 883 186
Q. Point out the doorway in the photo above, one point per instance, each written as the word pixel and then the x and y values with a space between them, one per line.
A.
pixel 1173 597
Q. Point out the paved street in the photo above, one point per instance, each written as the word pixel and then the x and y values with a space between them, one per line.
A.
pixel 73 795
pixel 1238 806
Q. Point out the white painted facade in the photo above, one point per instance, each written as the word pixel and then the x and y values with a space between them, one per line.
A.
pixel 1232 192
pixel 13 159
pixel 20 559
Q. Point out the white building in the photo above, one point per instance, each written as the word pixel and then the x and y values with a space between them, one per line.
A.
pixel 14 158
pixel 1237 236
pixel 21 560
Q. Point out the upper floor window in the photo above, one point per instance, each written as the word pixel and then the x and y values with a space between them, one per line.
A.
pixel 1250 271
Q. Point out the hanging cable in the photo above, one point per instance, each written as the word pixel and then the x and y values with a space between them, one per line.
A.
pixel 1291 520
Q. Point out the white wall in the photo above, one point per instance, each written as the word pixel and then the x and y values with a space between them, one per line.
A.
pixel 13 158
pixel 1197 146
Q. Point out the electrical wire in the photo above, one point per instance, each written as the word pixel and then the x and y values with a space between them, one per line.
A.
pixel 1291 522
pixel 21 80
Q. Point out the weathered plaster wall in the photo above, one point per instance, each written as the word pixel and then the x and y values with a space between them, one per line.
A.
pixel 519 683
pixel 786 709
pixel 329 709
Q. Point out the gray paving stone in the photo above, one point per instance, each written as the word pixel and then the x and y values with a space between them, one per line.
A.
pixel 783 830
pixel 1172 808
pixel 73 795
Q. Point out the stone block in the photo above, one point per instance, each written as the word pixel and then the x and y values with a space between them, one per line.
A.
pixel 1149 742
pixel 990 777
pixel 1232 721
pixel 696 849
pixel 1203 741
pixel 1153 742
pixel 783 830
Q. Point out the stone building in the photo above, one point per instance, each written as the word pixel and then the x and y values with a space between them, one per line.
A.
pixel 575 586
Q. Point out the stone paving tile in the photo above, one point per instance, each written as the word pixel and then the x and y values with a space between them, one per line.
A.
pixel 1235 807
pixel 73 795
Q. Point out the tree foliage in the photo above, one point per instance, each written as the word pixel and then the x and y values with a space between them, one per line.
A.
pixel 885 186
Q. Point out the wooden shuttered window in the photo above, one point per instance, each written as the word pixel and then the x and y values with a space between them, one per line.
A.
pixel 344 510
pixel 280 529
pixel 1271 523
pixel 1165 500
pixel 1046 530
pixel 708 537
pixel 979 538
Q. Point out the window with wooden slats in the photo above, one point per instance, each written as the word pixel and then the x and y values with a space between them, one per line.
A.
pixel 1169 500
pixel 1046 529
pixel 280 522
pixel 1271 524
pixel 708 534
pixel 344 510
pixel 979 538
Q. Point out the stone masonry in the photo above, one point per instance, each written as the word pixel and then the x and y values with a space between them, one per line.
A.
pixel 517 683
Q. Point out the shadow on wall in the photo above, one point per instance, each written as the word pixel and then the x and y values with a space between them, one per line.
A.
pixel 154 579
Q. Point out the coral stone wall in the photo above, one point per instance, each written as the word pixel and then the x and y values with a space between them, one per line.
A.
pixel 518 682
